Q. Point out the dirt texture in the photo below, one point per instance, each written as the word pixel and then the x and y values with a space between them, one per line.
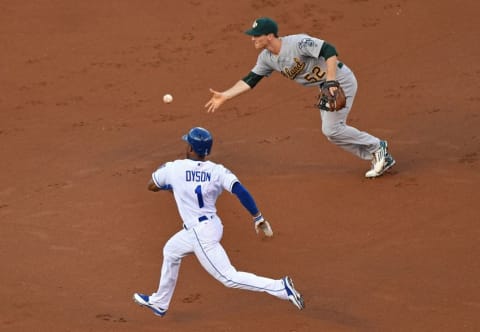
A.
pixel 83 126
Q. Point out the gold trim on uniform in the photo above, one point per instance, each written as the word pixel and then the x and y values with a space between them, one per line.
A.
pixel 293 71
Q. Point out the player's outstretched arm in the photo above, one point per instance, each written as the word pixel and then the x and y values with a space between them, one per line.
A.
pixel 218 98
pixel 248 202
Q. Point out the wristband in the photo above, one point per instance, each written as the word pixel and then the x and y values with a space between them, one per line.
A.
pixel 258 218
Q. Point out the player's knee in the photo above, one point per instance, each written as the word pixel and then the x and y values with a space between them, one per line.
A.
pixel 167 252
pixel 229 283
pixel 331 132
pixel 227 278
pixel 170 255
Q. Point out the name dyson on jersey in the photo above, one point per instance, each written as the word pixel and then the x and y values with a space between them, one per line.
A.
pixel 197 176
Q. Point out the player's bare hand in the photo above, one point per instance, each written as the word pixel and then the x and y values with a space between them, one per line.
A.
pixel 262 225
pixel 265 228
pixel 216 101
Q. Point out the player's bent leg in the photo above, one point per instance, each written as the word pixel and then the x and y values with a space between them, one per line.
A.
pixel 177 247
pixel 215 261
pixel 282 289
pixel 335 128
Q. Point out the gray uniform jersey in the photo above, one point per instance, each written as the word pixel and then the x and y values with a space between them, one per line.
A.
pixel 298 60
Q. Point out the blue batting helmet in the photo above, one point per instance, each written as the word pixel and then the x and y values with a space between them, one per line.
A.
pixel 200 140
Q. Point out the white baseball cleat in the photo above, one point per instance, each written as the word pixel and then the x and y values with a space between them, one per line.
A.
pixel 379 157
pixel 389 162
pixel 144 301
pixel 293 296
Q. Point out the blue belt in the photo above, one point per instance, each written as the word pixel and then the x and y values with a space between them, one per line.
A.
pixel 200 219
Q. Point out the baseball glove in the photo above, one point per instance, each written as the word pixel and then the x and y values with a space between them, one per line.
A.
pixel 329 102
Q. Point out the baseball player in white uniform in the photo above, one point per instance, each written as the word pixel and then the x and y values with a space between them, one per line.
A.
pixel 196 184
pixel 310 61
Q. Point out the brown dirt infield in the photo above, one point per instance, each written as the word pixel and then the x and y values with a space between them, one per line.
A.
pixel 82 126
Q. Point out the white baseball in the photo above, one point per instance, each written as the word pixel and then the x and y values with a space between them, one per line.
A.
pixel 167 99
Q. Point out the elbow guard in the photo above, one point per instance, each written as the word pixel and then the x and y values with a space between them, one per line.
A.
pixel 252 79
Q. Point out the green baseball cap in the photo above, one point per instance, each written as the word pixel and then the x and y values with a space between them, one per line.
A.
pixel 263 26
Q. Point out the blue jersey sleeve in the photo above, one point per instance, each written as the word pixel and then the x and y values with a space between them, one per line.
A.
pixel 245 198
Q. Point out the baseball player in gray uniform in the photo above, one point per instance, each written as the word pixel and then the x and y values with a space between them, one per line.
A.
pixel 196 184
pixel 310 62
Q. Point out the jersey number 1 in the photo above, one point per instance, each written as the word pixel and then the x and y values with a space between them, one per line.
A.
pixel 198 191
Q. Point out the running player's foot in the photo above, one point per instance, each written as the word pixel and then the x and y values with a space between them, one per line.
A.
pixel 389 162
pixel 144 300
pixel 379 156
pixel 293 296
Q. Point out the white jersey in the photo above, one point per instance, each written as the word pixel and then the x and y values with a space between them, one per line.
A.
pixel 196 186
pixel 298 60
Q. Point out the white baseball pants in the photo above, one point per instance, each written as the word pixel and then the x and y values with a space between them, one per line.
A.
pixel 203 240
